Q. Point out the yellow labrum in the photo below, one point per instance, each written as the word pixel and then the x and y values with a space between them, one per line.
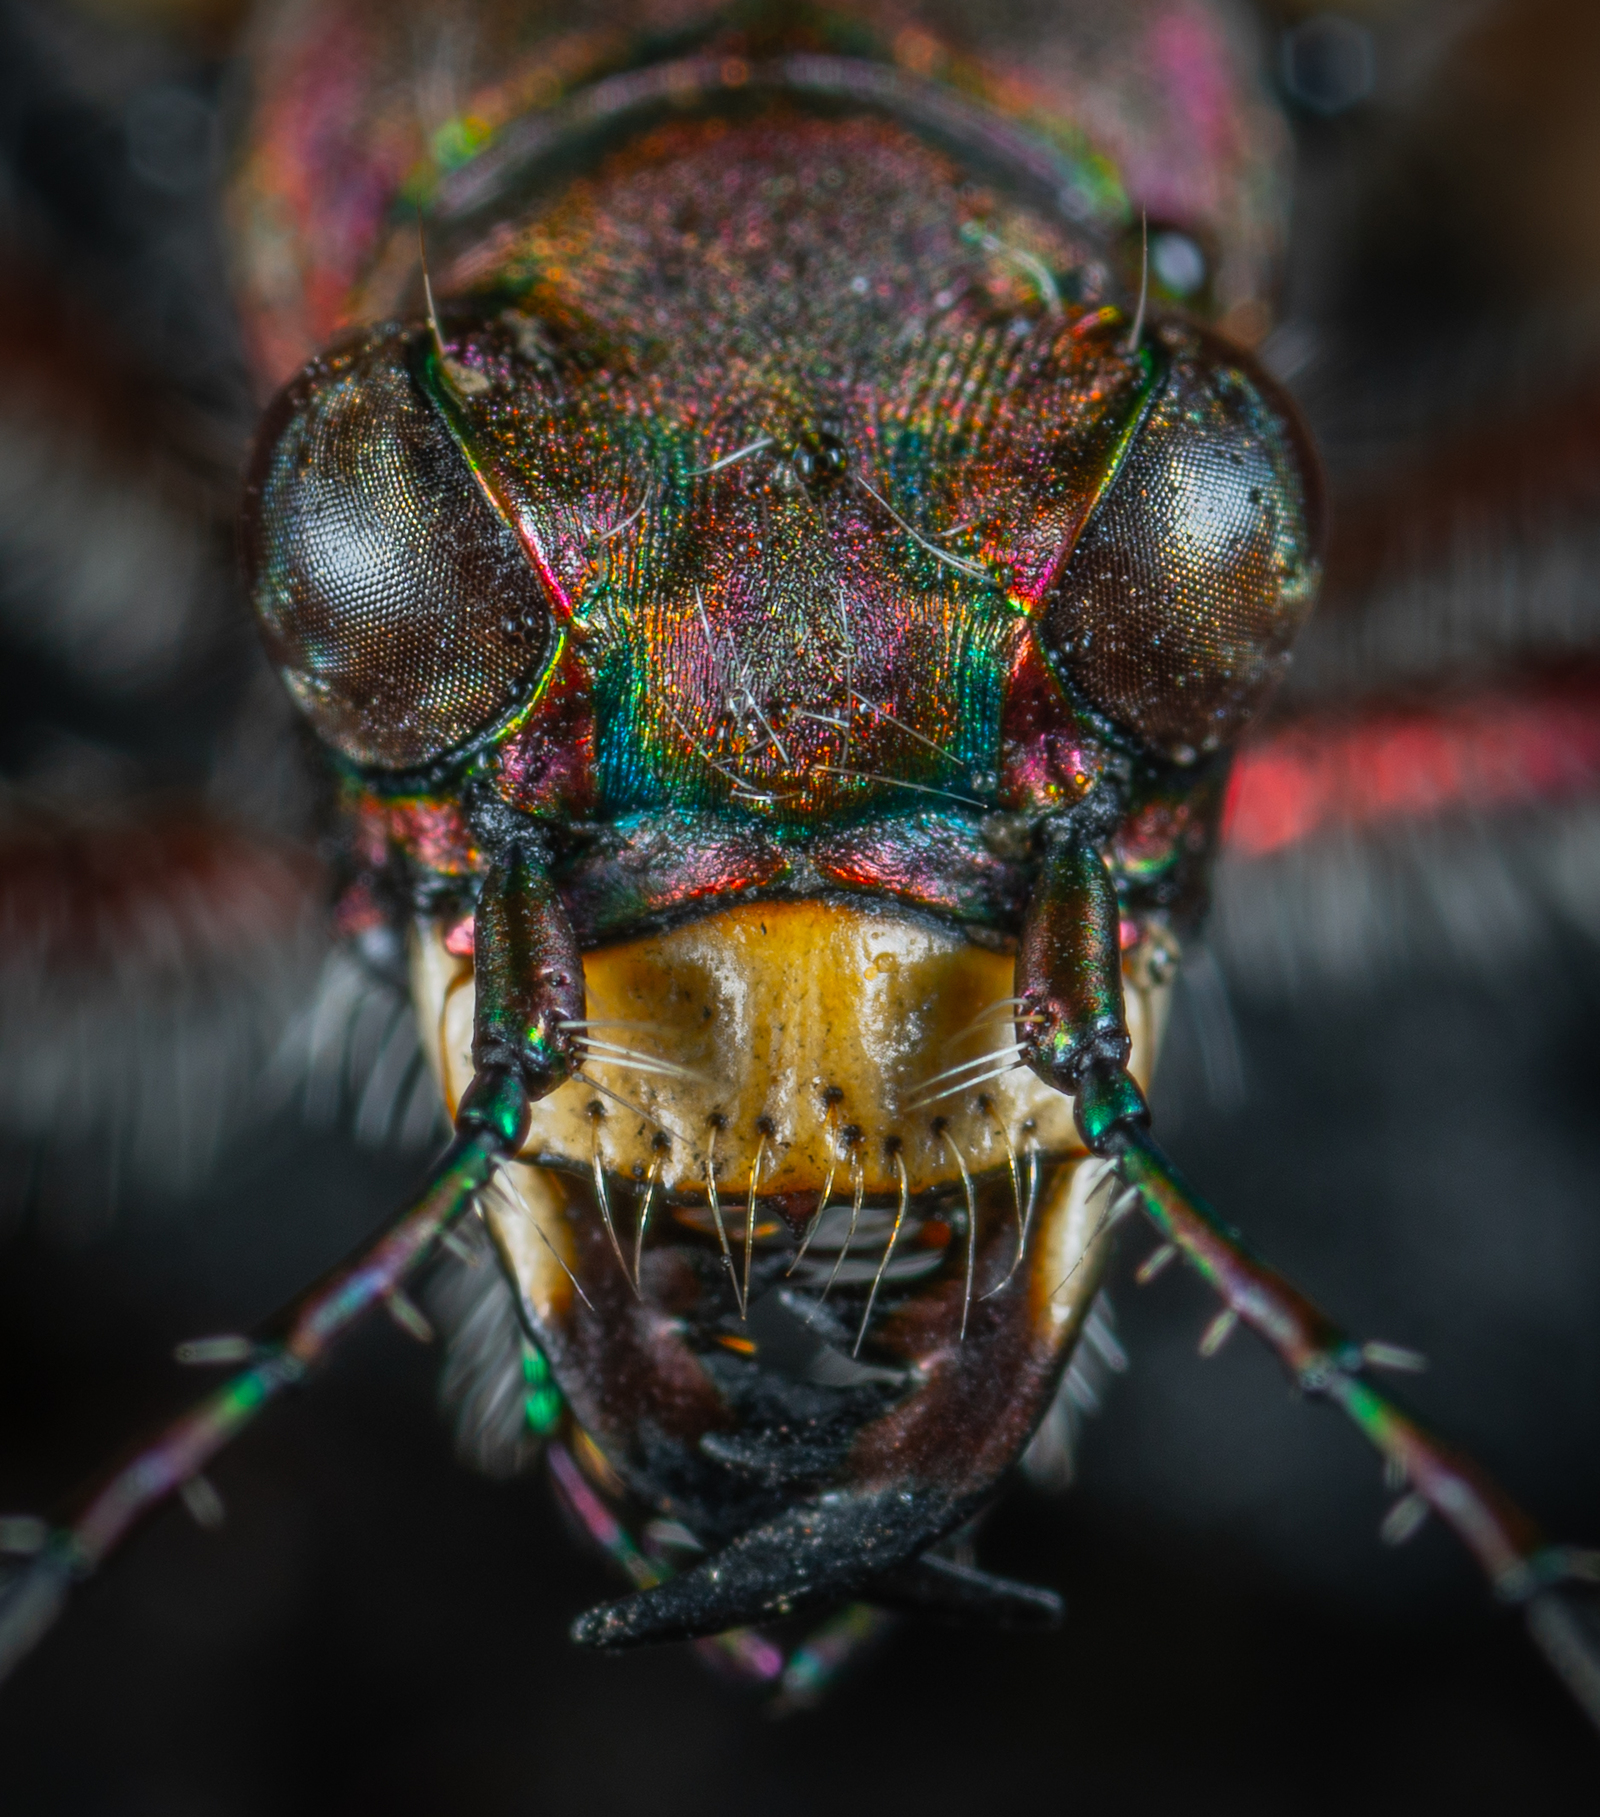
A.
pixel 823 1037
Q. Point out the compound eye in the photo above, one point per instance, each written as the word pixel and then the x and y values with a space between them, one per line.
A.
pixel 396 602
pixel 1199 564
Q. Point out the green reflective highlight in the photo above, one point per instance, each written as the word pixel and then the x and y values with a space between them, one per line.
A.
pixel 542 1404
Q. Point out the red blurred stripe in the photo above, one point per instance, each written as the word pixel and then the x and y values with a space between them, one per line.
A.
pixel 1494 749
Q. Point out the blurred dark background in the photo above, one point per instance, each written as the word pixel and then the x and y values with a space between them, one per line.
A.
pixel 1383 1068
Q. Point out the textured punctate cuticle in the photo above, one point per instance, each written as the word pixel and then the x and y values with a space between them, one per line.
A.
pixel 529 975
pixel 1069 969
pixel 400 609
pixel 1200 563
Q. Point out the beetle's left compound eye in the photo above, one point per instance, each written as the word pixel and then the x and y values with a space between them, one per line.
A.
pixel 397 603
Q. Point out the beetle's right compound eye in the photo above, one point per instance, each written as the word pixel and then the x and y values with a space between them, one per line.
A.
pixel 1200 562
pixel 398 605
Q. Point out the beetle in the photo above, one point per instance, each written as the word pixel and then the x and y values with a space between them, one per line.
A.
pixel 521 811
pixel 744 621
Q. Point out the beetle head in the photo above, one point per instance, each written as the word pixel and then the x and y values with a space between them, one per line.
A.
pixel 779 574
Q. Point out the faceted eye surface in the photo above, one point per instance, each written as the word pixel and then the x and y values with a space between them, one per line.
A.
pixel 1176 611
pixel 397 603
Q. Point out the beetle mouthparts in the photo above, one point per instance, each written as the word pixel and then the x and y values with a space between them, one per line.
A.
pixel 806 1247
pixel 870 1544
pixel 771 1045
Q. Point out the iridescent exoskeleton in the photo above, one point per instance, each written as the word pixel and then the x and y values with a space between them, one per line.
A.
pixel 779 594
pixel 783 622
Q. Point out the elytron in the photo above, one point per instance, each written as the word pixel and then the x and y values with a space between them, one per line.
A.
pixel 778 581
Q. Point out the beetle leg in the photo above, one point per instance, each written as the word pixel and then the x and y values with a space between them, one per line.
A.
pixel 529 982
pixel 1070 1020
pixel 528 974
pixel 491 1124
pixel 1522 1566
pixel 1069 974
